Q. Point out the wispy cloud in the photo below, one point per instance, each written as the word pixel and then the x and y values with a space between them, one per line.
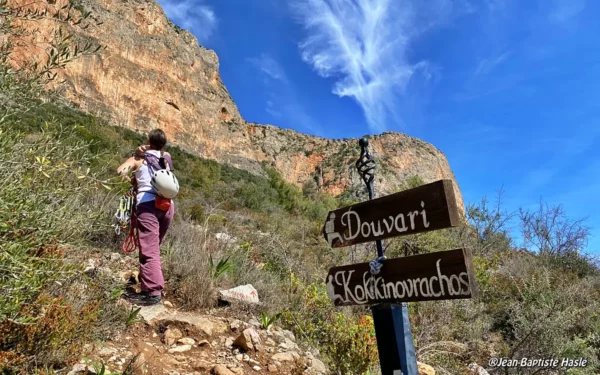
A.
pixel 485 66
pixel 269 66
pixel 192 15
pixel 282 102
pixel 364 45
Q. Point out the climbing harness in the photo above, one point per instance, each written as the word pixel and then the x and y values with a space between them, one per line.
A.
pixel 126 217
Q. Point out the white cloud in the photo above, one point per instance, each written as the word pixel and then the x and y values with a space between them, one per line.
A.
pixel 191 15
pixel 485 66
pixel 364 45
pixel 269 66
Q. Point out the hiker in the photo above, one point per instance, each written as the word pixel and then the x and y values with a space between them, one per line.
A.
pixel 152 182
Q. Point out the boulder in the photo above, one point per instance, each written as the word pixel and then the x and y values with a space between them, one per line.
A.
pixel 247 339
pixel 425 369
pixel 243 293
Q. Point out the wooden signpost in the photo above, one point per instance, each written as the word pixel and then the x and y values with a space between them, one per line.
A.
pixel 384 283
pixel 426 208
pixel 427 277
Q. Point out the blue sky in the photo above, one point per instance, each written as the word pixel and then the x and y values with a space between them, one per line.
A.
pixel 509 90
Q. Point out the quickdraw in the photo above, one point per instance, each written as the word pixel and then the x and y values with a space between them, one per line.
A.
pixel 123 214
pixel 125 217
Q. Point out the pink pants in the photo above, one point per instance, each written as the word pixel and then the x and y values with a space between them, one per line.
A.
pixel 152 225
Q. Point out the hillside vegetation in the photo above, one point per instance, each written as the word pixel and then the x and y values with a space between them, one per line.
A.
pixel 59 192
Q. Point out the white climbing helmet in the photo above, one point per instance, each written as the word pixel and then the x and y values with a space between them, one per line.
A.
pixel 165 184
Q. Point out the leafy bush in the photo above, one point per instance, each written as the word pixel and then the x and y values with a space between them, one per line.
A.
pixel 348 341
pixel 45 191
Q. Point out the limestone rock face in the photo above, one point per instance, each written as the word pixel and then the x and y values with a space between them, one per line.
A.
pixel 154 74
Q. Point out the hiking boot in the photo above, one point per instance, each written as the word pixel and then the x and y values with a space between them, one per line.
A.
pixel 142 299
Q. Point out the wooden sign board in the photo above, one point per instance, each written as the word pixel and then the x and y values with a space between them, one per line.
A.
pixel 442 275
pixel 426 208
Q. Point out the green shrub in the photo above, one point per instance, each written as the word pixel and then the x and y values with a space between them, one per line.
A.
pixel 347 341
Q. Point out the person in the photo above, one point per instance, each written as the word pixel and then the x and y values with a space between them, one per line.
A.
pixel 152 222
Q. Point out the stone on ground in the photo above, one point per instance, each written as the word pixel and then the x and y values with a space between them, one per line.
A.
pixel 81 368
pixel 150 313
pixel 425 369
pixel 171 336
pixel 180 349
pixel 285 357
pixel 196 323
pixel 477 370
pixel 221 370
pixel 139 365
pixel 186 341
pixel 318 366
pixel 243 293
pixel 247 339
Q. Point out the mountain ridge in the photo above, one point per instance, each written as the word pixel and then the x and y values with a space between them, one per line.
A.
pixel 154 74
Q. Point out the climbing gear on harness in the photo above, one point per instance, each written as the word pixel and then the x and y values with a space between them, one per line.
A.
pixel 123 214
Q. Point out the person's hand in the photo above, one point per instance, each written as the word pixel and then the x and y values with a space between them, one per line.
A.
pixel 140 150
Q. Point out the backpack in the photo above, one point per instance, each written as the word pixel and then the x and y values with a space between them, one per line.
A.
pixel 163 180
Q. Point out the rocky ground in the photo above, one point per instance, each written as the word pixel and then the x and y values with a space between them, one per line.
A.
pixel 174 342
pixel 169 341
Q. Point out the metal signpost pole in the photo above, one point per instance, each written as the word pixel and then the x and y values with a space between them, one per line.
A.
pixel 392 326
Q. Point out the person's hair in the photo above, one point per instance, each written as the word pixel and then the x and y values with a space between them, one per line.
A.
pixel 157 138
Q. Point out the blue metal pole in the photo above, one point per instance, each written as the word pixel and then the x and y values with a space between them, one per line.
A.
pixel 392 327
